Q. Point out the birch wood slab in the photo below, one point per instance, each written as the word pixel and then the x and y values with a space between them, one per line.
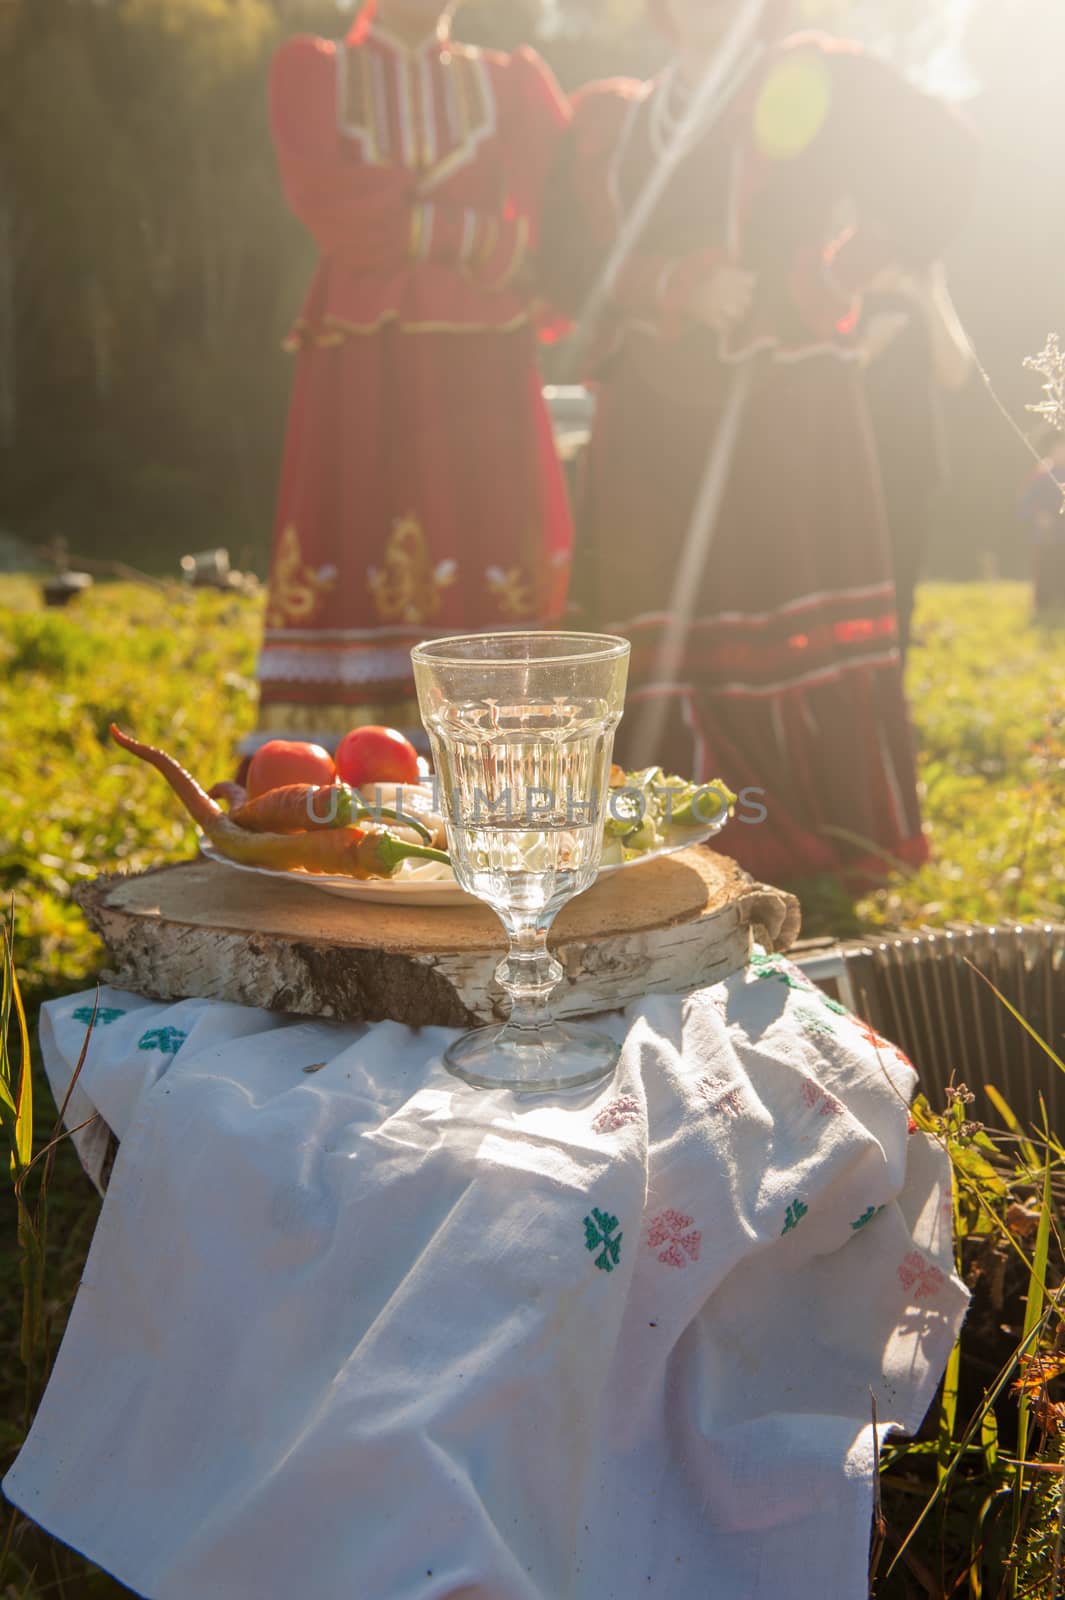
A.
pixel 201 930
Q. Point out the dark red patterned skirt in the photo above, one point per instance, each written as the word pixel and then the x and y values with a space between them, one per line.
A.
pixel 782 674
pixel 420 495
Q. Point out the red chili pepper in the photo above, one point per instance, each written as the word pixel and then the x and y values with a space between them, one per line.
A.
pixel 201 808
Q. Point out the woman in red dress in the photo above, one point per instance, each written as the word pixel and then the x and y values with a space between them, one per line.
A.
pixel 732 523
pixel 420 491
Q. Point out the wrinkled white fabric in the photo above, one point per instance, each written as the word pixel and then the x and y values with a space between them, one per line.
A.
pixel 362 1331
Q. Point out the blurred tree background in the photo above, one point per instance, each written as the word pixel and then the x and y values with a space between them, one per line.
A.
pixel 148 268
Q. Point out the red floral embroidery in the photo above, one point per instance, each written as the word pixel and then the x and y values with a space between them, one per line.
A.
pixel 826 1104
pixel 725 1098
pixel 617 1114
pixel 880 1044
pixel 920 1277
pixel 682 1240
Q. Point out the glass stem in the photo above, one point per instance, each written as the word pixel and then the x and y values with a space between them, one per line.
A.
pixel 529 974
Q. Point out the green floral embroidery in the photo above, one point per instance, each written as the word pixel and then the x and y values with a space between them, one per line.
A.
pixel 598 1231
pixel 768 967
pixel 866 1216
pixel 764 967
pixel 771 967
pixel 168 1040
pixel 104 1015
pixel 813 1022
pixel 834 1005
pixel 795 1213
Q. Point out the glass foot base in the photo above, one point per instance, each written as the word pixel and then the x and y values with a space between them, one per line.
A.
pixel 532 1060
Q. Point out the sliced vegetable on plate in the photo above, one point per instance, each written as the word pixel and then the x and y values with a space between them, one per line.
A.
pixel 649 810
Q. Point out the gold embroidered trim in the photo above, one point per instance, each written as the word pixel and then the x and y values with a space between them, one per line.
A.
pixel 515 592
pixel 409 586
pixel 301 337
pixel 296 590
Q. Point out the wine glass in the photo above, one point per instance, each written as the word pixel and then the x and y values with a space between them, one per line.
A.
pixel 522 729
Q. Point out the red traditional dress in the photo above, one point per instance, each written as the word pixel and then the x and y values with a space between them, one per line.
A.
pixel 420 491
pixel 778 668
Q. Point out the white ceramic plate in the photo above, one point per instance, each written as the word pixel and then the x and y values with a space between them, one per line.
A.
pixel 427 883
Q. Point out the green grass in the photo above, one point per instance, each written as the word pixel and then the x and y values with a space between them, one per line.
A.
pixel 988 693
pixel 175 667
pixel 988 697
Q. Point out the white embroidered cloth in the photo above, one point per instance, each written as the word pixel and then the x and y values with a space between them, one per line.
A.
pixel 360 1330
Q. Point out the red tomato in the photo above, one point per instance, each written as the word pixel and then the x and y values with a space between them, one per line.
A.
pixel 282 761
pixel 376 755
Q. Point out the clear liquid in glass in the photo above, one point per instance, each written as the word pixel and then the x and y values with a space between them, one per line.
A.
pixel 526 788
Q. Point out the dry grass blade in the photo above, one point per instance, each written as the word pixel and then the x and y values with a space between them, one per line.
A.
pixel 879 1520
pixel 1059 1547
pixel 47 1152
pixel 58 1135
pixel 19 1097
pixel 948 1413
pixel 1012 1121
pixel 7 1099
pixel 1027 1026
pixel 975 1576
pixel 34 1344
pixel 57 1130
pixel 1033 1316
